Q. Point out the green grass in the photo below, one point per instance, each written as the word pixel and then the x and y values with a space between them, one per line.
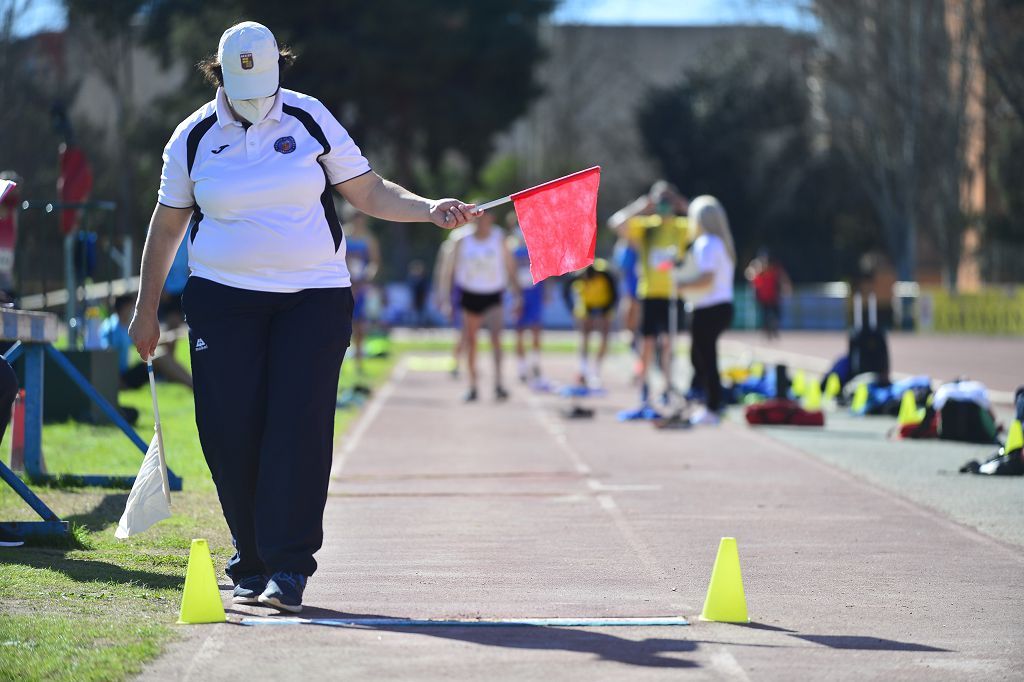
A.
pixel 43 647
pixel 92 607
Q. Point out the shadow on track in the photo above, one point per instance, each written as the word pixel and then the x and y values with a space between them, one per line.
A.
pixel 646 653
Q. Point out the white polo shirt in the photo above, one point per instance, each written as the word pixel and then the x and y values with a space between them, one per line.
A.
pixel 262 213
pixel 710 255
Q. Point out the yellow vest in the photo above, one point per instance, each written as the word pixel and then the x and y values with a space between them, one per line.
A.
pixel 659 245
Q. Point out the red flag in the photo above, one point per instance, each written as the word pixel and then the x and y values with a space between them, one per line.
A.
pixel 73 185
pixel 559 223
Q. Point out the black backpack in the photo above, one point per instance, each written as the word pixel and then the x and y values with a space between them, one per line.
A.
pixel 966 421
pixel 869 349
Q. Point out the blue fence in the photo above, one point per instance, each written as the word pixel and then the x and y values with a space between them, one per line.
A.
pixel 817 307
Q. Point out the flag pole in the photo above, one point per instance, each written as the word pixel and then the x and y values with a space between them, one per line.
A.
pixel 496 202
pixel 159 432
pixel 556 181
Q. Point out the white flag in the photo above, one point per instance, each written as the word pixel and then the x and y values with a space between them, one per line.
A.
pixel 147 502
pixel 5 187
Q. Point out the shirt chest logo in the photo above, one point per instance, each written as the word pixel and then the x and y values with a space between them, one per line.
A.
pixel 284 145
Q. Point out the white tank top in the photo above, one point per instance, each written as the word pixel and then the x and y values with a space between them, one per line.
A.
pixel 481 267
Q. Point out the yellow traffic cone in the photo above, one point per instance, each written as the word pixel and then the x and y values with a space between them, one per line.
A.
pixel 200 602
pixel 909 414
pixel 812 396
pixel 1015 437
pixel 832 386
pixel 860 399
pixel 799 383
pixel 726 602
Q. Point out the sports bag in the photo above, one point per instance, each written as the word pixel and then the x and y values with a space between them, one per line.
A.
pixel 964 413
pixel 967 421
pixel 785 412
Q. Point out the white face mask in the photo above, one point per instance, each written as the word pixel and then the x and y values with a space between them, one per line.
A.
pixel 253 110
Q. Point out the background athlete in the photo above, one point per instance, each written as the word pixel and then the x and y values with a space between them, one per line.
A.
pixel 654 225
pixel 624 260
pixel 592 294
pixel 362 255
pixel 482 270
pixel 530 318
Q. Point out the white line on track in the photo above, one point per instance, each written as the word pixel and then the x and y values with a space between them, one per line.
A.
pixel 209 651
pixel 606 501
pixel 725 665
pixel 584 622
pixel 351 442
pixel 597 486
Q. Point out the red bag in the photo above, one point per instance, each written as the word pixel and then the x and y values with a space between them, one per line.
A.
pixel 786 412
pixel 927 428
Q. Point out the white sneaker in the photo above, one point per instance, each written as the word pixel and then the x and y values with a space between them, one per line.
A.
pixel 704 416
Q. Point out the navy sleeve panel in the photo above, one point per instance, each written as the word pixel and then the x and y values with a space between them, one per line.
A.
pixel 194 137
pixel 193 227
pixel 310 124
pixel 326 200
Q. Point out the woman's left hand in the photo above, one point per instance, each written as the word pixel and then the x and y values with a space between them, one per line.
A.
pixel 452 213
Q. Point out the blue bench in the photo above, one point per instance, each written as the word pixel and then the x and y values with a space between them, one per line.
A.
pixel 34 334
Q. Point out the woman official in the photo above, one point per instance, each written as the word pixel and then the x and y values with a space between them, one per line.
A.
pixel 268 302
pixel 710 293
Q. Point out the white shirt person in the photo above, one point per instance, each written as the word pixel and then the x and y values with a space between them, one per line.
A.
pixel 263 216
pixel 248 177
pixel 712 294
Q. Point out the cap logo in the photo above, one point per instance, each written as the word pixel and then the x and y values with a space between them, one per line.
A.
pixel 246 59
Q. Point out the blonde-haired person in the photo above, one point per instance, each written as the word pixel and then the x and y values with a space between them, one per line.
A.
pixel 710 293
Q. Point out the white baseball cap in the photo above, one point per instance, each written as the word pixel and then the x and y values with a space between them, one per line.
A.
pixel 248 57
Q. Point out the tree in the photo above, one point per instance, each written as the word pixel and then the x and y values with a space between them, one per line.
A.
pixel 1003 243
pixel 898 79
pixel 28 86
pixel 30 81
pixel 742 131
pixel 104 31
pixel 1002 49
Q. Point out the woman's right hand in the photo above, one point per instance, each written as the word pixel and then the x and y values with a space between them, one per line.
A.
pixel 144 331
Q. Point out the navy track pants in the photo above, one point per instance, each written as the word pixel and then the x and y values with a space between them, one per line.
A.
pixel 265 368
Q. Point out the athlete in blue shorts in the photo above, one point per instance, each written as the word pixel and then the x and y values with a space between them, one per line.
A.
pixel 624 258
pixel 531 312
pixel 362 254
